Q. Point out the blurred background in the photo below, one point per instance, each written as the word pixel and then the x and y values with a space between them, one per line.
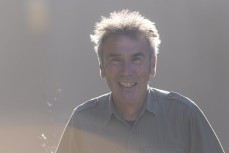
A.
pixel 48 67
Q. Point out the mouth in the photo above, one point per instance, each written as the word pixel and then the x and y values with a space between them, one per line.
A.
pixel 127 84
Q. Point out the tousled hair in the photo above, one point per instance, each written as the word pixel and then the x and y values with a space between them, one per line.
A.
pixel 124 22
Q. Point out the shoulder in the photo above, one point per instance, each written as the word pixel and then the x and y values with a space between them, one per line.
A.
pixel 92 103
pixel 173 97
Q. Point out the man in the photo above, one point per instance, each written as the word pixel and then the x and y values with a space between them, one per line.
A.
pixel 134 117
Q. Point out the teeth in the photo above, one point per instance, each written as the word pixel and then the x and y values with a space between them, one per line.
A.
pixel 127 85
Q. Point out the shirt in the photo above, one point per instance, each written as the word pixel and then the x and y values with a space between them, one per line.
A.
pixel 168 123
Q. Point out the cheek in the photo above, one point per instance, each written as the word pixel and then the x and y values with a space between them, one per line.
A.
pixel 111 69
pixel 145 69
pixel 110 73
pixel 144 74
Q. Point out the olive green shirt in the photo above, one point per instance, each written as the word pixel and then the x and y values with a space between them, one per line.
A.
pixel 168 123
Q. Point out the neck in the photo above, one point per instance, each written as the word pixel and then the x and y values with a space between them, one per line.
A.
pixel 129 111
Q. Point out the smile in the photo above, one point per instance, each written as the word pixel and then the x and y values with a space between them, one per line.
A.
pixel 127 84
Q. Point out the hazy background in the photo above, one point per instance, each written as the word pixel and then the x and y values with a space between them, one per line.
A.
pixel 47 63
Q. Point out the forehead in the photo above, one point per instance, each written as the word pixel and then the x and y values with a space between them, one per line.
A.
pixel 126 44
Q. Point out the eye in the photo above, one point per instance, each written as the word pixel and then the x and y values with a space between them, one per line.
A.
pixel 115 60
pixel 137 60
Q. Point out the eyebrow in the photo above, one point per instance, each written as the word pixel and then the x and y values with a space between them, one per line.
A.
pixel 113 55
pixel 118 55
pixel 138 54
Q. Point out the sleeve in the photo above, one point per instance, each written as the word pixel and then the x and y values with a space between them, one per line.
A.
pixel 71 140
pixel 201 137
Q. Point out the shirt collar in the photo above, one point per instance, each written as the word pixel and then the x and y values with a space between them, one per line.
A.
pixel 151 105
pixel 109 109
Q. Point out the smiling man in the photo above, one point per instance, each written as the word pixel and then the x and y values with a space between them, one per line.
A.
pixel 133 117
pixel 127 66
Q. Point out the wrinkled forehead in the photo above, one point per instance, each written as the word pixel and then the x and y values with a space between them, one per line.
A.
pixel 130 33
pixel 136 35
pixel 126 46
pixel 111 39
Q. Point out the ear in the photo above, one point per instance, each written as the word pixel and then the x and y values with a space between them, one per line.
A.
pixel 101 69
pixel 153 66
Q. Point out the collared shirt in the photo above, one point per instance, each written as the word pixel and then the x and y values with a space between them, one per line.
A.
pixel 168 123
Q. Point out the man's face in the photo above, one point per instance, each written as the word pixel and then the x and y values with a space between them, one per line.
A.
pixel 127 66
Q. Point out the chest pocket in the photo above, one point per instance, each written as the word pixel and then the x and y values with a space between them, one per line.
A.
pixel 161 148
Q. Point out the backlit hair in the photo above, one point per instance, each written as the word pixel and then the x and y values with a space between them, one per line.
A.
pixel 123 22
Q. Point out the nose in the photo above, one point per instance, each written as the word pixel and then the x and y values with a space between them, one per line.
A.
pixel 126 68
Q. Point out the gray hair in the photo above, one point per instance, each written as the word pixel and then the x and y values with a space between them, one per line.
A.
pixel 123 22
